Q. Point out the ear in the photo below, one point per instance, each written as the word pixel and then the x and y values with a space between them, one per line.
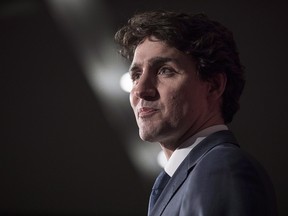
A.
pixel 217 86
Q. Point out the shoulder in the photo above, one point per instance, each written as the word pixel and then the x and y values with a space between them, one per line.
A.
pixel 229 162
pixel 227 156
pixel 231 179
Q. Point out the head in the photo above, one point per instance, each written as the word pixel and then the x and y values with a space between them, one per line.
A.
pixel 205 48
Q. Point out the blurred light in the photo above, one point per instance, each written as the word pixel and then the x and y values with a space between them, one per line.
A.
pixel 144 156
pixel 161 159
pixel 88 24
pixel 126 82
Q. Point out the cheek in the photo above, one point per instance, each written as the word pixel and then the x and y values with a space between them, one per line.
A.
pixel 181 102
pixel 132 98
pixel 132 101
pixel 176 104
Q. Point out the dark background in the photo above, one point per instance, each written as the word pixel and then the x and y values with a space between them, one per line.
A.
pixel 61 155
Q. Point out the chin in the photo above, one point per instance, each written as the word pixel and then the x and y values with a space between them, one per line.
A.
pixel 148 137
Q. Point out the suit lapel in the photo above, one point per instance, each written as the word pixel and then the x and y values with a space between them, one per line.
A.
pixel 187 165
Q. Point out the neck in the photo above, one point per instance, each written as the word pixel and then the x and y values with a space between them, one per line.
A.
pixel 169 147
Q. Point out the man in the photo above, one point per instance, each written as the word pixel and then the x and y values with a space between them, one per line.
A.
pixel 187 80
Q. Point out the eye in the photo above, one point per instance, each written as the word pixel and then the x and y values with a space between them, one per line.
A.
pixel 166 71
pixel 135 75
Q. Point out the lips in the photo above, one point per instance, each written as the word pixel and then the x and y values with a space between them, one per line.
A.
pixel 146 111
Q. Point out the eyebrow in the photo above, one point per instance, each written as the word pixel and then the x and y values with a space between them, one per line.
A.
pixel 153 62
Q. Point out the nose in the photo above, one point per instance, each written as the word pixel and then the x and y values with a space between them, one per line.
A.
pixel 145 87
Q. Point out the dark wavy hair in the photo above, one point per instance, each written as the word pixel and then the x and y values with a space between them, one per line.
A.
pixel 210 43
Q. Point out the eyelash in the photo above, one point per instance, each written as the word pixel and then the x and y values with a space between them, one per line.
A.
pixel 135 76
pixel 162 71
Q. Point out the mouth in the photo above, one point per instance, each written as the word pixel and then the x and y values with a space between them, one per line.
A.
pixel 145 112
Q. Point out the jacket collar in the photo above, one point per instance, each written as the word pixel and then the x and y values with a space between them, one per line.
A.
pixel 186 166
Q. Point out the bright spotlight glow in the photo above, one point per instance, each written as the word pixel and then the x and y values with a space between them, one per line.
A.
pixel 161 159
pixel 126 82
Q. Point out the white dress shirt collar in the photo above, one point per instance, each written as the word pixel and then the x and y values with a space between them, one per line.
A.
pixel 183 150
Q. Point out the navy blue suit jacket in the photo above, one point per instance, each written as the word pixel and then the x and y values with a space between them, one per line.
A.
pixel 217 178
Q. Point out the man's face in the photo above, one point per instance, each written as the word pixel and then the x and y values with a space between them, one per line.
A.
pixel 168 98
